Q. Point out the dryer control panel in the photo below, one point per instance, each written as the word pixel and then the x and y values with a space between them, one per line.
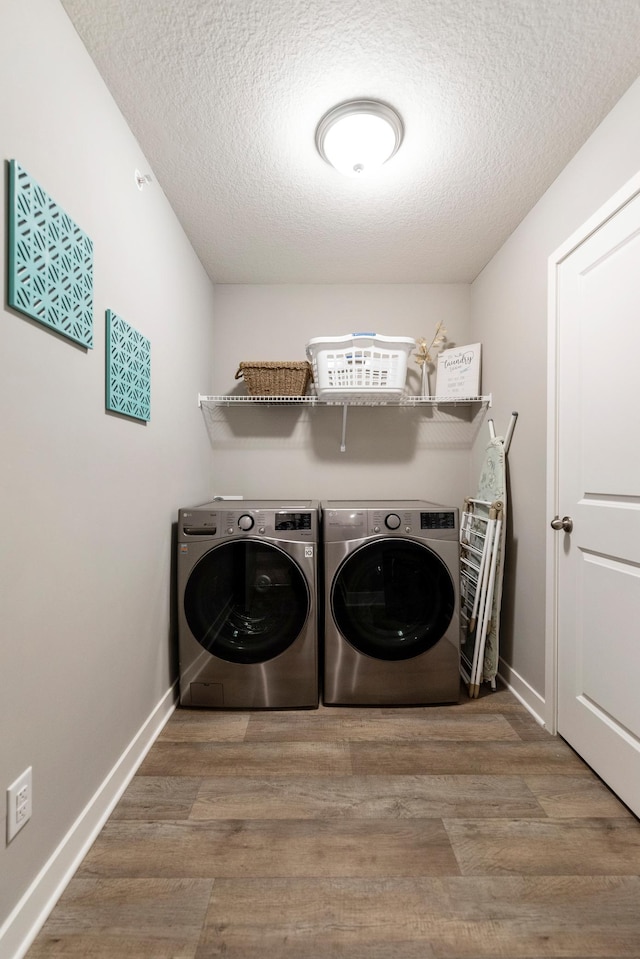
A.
pixel 444 520
pixel 344 522
pixel 410 521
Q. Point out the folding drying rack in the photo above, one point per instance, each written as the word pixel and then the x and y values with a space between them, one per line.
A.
pixel 482 537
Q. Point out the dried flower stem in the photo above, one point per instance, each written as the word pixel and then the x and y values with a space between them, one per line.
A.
pixel 423 353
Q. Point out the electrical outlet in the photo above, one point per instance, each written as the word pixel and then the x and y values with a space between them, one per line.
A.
pixel 19 802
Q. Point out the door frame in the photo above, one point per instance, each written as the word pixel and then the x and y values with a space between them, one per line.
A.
pixel 628 192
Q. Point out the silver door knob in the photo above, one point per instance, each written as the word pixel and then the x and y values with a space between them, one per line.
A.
pixel 566 523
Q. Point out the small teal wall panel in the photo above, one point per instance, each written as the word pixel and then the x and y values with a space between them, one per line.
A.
pixel 128 369
pixel 50 261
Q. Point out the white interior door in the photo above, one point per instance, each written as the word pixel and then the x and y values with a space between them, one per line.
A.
pixel 597 563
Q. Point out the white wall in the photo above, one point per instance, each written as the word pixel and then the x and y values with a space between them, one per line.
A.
pixel 391 453
pixel 509 316
pixel 88 499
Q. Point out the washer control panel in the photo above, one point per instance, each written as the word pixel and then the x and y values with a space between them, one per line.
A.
pixel 243 518
pixel 299 522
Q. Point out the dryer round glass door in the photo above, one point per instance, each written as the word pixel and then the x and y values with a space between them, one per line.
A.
pixel 246 601
pixel 393 599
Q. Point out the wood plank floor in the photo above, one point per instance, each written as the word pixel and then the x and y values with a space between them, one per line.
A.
pixel 450 832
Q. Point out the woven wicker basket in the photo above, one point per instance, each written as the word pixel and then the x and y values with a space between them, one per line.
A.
pixel 277 378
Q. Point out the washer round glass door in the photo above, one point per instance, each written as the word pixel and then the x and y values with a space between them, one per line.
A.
pixel 393 599
pixel 246 601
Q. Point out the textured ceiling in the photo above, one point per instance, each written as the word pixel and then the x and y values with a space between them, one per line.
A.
pixel 224 97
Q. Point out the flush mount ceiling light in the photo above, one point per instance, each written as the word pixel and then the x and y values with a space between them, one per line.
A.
pixel 359 136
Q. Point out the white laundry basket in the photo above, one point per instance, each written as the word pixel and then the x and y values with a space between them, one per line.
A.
pixel 367 367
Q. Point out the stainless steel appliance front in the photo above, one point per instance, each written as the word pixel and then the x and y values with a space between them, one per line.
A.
pixel 247 604
pixel 391 603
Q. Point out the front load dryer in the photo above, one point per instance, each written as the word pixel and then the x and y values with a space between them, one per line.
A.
pixel 247 604
pixel 391 604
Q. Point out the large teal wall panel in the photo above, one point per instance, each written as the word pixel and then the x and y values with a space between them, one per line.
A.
pixel 50 261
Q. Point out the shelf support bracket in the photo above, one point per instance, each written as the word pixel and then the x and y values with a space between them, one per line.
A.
pixel 343 442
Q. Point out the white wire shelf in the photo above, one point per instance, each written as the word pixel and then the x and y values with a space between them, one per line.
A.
pixel 437 409
pixel 409 400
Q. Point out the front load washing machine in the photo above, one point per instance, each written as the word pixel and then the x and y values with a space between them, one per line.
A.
pixel 247 604
pixel 391 604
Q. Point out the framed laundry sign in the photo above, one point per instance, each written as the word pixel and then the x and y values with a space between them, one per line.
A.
pixel 458 372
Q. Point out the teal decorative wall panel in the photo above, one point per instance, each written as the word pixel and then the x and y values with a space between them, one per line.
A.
pixel 128 369
pixel 50 261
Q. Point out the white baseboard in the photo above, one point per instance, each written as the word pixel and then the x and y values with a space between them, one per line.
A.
pixel 523 692
pixel 29 915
